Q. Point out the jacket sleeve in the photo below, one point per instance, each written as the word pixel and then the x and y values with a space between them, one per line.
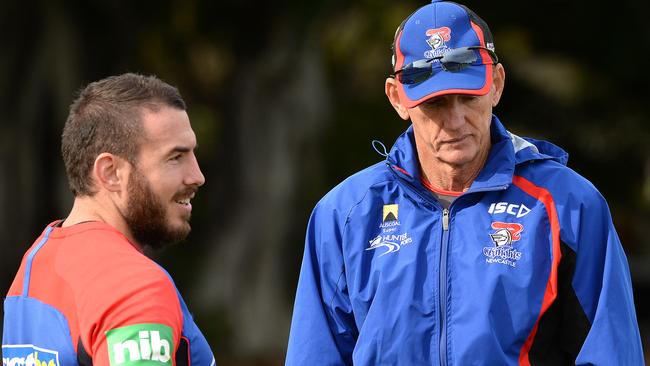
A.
pixel 603 287
pixel 323 331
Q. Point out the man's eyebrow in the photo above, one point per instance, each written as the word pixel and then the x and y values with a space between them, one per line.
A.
pixel 182 149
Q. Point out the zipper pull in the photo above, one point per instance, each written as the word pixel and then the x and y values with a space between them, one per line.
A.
pixel 445 219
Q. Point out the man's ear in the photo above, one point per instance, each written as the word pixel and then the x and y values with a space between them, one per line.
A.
pixel 393 97
pixel 498 83
pixel 110 172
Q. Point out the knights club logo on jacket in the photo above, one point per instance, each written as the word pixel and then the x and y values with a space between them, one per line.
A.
pixel 503 237
pixel 390 239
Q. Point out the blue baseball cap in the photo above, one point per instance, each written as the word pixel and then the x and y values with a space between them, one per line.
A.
pixel 435 36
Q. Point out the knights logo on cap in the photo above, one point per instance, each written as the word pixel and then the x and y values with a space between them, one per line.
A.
pixel 436 39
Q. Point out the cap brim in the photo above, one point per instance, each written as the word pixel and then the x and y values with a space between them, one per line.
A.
pixel 473 80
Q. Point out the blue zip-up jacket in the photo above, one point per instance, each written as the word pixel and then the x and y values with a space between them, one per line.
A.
pixel 524 268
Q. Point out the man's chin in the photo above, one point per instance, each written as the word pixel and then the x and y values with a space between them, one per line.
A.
pixel 163 244
pixel 183 228
pixel 179 234
pixel 171 236
pixel 458 160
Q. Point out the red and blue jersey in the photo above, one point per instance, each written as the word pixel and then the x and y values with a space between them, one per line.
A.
pixel 524 268
pixel 85 295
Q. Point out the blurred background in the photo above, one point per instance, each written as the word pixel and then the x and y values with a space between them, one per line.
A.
pixel 285 98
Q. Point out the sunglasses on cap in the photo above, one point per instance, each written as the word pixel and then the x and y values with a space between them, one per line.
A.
pixel 454 60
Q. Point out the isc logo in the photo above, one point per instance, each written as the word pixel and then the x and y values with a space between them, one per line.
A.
pixel 509 208
pixel 146 342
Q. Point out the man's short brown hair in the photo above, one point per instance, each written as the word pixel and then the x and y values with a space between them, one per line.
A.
pixel 106 117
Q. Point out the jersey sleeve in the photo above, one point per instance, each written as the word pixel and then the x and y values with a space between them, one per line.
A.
pixel 128 308
pixel 323 331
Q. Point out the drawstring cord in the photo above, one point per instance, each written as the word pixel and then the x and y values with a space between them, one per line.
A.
pixel 376 144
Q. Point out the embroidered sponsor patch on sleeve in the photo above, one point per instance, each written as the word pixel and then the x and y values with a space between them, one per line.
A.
pixel 146 344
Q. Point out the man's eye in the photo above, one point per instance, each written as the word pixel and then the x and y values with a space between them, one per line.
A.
pixel 470 98
pixel 175 157
pixel 436 102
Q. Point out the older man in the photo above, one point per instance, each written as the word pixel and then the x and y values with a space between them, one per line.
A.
pixel 468 245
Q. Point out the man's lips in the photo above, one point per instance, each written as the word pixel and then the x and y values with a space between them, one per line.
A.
pixel 185 197
pixel 455 140
pixel 185 201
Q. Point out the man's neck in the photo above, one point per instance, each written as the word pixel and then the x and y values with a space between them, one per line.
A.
pixel 82 211
pixel 98 209
pixel 451 177
pixel 448 178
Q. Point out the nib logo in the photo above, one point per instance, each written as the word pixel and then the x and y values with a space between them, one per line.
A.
pixel 140 344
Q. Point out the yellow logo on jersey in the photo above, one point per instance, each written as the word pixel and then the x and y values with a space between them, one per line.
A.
pixel 390 212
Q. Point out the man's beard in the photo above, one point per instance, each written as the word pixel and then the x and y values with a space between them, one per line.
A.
pixel 146 216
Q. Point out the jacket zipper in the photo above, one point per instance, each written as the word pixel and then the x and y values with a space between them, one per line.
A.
pixel 442 285
pixel 442 278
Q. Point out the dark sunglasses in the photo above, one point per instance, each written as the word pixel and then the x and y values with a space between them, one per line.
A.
pixel 454 60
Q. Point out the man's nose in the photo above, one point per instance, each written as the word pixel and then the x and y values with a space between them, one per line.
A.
pixel 455 114
pixel 195 176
